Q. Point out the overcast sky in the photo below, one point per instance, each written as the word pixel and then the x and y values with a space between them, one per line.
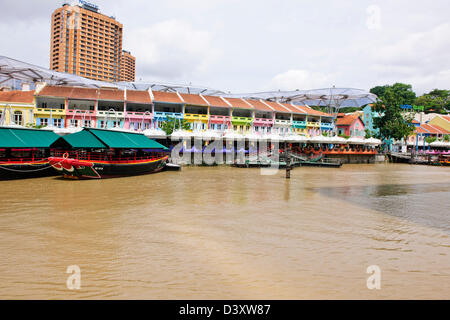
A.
pixel 248 46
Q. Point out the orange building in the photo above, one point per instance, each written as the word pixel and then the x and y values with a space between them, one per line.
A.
pixel 86 42
pixel 127 66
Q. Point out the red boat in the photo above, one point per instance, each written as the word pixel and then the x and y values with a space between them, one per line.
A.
pixel 98 154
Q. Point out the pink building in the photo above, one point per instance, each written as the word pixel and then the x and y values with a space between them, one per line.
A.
pixel 350 125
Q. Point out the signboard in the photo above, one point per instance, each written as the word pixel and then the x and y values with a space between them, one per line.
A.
pixel 410 107
pixel 88 5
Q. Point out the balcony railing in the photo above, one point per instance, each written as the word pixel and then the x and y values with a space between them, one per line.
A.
pixel 325 125
pixel 60 112
pixel 194 116
pixel 81 113
pixel 282 122
pixel 241 119
pixel 219 119
pixel 313 124
pixel 299 124
pixel 105 113
pixel 140 115
pixel 263 121
pixel 164 115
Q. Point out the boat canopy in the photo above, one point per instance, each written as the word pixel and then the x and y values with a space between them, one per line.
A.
pixel 80 140
pixel 26 138
pixel 107 139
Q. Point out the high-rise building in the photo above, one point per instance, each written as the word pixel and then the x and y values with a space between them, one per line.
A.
pixel 86 42
pixel 127 66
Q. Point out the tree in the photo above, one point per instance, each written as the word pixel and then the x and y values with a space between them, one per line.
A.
pixel 402 90
pixel 394 123
pixel 435 101
pixel 172 124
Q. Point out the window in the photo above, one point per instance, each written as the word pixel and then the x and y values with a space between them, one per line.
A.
pixel 18 118
pixel 116 124
pixel 74 123
pixel 44 122
pixel 86 123
pixel 58 123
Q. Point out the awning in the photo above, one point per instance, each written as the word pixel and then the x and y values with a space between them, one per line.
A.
pixel 107 139
pixel 26 138
pixel 80 140
pixel 125 140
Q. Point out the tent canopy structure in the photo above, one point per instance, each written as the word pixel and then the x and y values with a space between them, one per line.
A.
pixel 12 69
pixel 107 139
pixel 333 98
pixel 26 138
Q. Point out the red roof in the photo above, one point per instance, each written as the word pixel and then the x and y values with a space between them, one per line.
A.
pixel 421 130
pixel 288 107
pixel 313 112
pixel 446 118
pixel 433 129
pixel 70 92
pixel 298 109
pixel 111 94
pixel 17 96
pixel 169 97
pixel 277 107
pixel 239 103
pixel 193 99
pixel 216 101
pixel 347 120
pixel 259 105
pixel 138 96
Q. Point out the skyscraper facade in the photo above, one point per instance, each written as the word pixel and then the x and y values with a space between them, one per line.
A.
pixel 127 67
pixel 86 42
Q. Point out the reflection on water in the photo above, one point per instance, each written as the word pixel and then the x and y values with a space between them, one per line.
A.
pixel 224 232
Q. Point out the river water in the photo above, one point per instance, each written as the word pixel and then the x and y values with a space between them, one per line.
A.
pixel 223 232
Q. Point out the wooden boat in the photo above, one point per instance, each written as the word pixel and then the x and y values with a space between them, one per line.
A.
pixel 24 152
pixel 99 154
pixel 84 166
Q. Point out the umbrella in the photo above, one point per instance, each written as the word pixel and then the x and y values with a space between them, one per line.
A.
pixel 154 133
pixel 354 140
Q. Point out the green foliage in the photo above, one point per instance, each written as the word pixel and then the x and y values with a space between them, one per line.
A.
pixel 33 126
pixel 172 124
pixel 403 91
pixel 430 139
pixel 435 101
pixel 343 135
pixel 349 109
pixel 447 138
pixel 394 123
pixel 369 134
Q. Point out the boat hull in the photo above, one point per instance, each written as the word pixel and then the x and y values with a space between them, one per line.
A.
pixel 37 169
pixel 82 169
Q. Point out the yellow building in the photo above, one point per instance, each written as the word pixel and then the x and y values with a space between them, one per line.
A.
pixel 17 107
pixel 442 121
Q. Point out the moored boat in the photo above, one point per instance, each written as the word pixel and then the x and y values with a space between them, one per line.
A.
pixel 99 154
pixel 24 152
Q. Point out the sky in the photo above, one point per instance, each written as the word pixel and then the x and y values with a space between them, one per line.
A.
pixel 252 46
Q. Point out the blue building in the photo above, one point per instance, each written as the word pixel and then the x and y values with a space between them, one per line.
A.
pixel 369 117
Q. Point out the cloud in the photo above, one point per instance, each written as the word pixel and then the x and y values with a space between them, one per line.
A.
pixel 420 58
pixel 172 49
pixel 300 79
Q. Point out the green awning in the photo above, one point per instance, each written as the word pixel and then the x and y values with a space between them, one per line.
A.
pixel 26 138
pixel 106 139
pixel 125 140
pixel 78 140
